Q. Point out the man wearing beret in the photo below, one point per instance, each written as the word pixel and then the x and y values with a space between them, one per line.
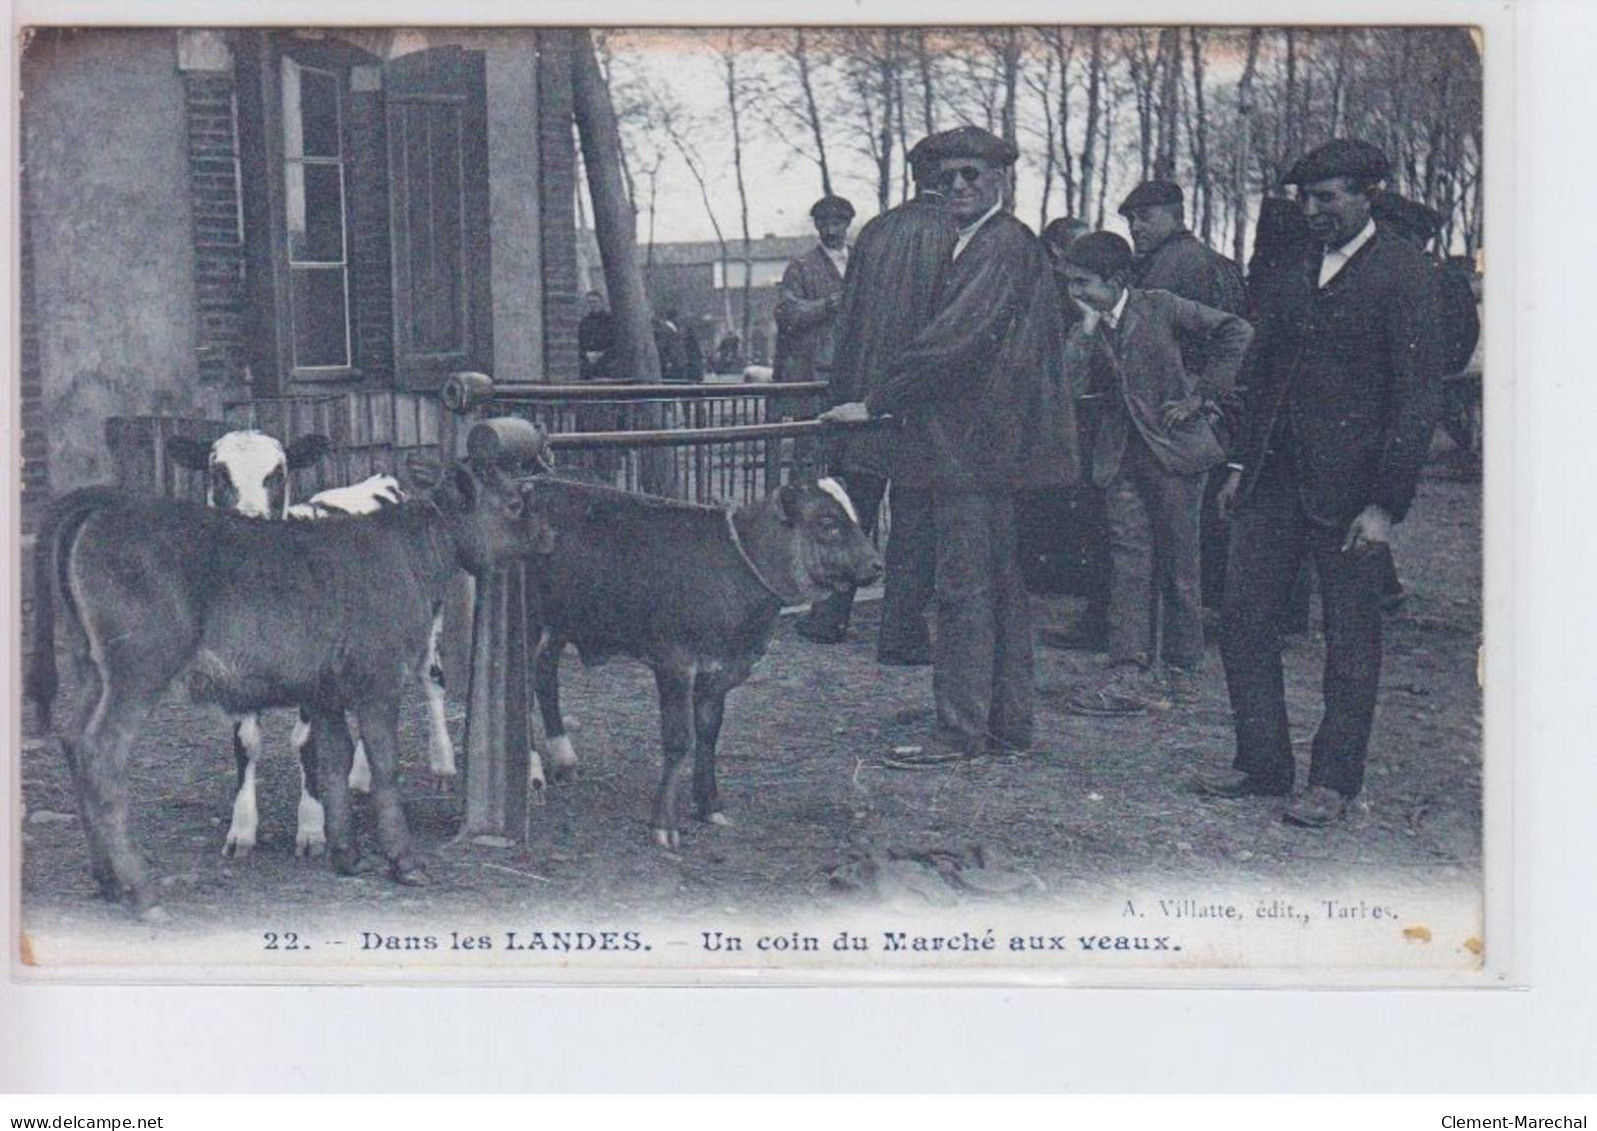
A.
pixel 896 268
pixel 985 412
pixel 1170 258
pixel 1341 403
pixel 1151 456
pixel 812 288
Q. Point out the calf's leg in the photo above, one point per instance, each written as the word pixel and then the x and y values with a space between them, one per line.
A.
pixel 676 730
pixel 440 750
pixel 246 817
pixel 709 704
pixel 102 756
pixel 546 685
pixel 310 834
pixel 334 751
pixel 379 724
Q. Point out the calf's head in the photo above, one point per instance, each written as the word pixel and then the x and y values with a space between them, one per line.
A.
pixel 493 517
pixel 247 471
pixel 829 550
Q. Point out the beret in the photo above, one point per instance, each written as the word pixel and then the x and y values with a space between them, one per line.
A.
pixel 1103 253
pixel 1340 157
pixel 832 206
pixel 1065 230
pixel 973 142
pixel 1408 217
pixel 1150 193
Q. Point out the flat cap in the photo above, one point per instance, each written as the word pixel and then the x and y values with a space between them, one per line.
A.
pixel 836 207
pixel 1407 217
pixel 1103 253
pixel 1150 193
pixel 1340 157
pixel 973 142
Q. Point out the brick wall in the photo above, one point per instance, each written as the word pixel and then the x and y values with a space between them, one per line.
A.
pixel 558 224
pixel 218 240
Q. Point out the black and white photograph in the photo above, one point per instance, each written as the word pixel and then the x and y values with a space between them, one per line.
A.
pixel 848 504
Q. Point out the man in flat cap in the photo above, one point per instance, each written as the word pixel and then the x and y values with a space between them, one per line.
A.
pixel 1341 402
pixel 812 288
pixel 985 412
pixel 895 269
pixel 1151 456
pixel 1170 258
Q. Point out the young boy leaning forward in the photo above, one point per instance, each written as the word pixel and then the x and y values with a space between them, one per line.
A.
pixel 1154 448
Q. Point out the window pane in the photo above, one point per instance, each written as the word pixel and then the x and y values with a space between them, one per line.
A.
pixel 315 209
pixel 318 101
pixel 293 133
pixel 320 317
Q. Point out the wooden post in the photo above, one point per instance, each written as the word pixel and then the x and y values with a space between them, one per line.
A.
pixel 498 730
pixel 614 225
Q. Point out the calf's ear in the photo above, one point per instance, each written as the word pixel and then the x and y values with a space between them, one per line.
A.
pixel 305 450
pixel 787 501
pixel 463 484
pixel 185 451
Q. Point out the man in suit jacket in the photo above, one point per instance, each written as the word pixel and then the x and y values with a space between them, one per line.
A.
pixel 1340 408
pixel 812 291
pixel 1153 450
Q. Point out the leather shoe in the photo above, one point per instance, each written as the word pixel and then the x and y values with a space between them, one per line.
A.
pixel 1319 806
pixel 1235 783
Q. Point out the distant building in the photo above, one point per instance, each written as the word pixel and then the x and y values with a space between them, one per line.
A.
pixel 689 278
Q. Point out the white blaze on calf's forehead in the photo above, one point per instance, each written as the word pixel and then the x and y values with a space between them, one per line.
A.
pixel 835 489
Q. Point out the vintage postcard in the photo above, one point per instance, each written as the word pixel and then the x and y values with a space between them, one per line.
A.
pixel 824 504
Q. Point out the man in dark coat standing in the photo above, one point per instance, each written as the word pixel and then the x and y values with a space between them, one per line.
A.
pixel 1170 258
pixel 987 411
pixel 895 270
pixel 1340 407
pixel 812 291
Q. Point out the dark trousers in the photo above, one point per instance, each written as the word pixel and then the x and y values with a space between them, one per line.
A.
pixel 907 591
pixel 981 655
pixel 1269 538
pixel 1154 549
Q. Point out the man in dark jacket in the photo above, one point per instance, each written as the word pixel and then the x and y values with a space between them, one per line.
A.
pixel 1151 457
pixel 812 290
pixel 895 269
pixel 1170 258
pixel 1341 403
pixel 986 412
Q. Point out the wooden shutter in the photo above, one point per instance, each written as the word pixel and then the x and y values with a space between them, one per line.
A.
pixel 438 215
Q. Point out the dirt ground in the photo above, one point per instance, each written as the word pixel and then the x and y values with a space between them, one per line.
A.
pixel 801 775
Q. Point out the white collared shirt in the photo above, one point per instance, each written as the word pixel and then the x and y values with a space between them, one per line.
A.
pixel 839 258
pixel 965 234
pixel 1336 258
pixel 1115 313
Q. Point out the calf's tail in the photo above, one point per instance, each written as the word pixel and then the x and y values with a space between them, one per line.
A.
pixel 50 552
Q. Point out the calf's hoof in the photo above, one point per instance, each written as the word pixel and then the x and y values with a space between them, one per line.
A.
pixel 442 782
pixel 346 861
pixel 410 874
pixel 238 846
pixel 309 847
pixel 718 818
pixel 668 839
pixel 155 915
pixel 562 764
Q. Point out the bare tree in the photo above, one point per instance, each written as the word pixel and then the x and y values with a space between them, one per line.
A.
pixel 797 99
pixel 1242 164
pixel 1089 161
pixel 1198 138
pixel 1168 64
pixel 732 48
